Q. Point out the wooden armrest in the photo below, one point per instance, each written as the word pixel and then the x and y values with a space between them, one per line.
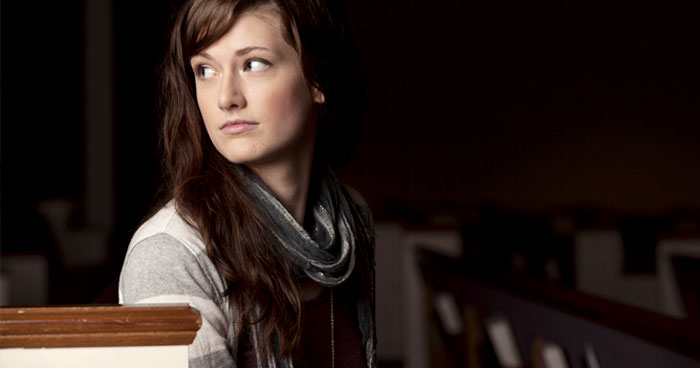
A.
pixel 91 326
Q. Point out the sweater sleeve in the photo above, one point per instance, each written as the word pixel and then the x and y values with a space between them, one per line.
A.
pixel 160 269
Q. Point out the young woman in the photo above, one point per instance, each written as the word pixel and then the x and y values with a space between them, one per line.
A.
pixel 256 233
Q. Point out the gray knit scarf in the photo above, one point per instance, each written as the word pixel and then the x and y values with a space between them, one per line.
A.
pixel 328 254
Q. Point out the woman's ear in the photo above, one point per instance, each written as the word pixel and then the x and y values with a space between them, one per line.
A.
pixel 317 95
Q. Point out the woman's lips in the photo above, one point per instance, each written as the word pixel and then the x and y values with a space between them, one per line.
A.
pixel 237 126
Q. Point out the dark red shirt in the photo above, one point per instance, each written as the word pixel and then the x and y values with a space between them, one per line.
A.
pixel 316 334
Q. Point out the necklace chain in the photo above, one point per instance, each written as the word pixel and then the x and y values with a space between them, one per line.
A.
pixel 332 332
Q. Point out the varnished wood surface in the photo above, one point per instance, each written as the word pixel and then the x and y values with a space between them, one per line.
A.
pixel 89 326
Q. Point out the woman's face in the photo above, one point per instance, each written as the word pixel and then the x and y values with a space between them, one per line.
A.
pixel 253 96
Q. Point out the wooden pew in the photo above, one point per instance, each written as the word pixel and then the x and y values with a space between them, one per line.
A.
pixel 583 326
pixel 104 336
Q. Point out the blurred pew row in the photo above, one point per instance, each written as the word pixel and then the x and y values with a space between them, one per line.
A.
pixel 639 268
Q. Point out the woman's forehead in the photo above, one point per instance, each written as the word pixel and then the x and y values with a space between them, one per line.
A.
pixel 253 29
pixel 260 24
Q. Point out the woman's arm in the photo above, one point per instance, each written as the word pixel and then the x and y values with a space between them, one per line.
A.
pixel 160 269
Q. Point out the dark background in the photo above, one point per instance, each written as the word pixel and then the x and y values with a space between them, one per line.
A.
pixel 527 109
pixel 531 107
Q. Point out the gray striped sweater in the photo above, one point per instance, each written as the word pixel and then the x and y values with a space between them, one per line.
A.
pixel 167 263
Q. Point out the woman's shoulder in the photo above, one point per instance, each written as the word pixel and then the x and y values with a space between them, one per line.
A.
pixel 167 231
pixel 356 197
pixel 168 223
pixel 166 256
pixel 361 204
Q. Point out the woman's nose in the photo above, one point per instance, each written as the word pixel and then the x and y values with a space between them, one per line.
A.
pixel 230 94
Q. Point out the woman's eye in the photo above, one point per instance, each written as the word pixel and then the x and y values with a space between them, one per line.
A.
pixel 256 65
pixel 205 72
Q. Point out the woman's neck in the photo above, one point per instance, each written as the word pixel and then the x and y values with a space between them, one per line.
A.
pixel 290 184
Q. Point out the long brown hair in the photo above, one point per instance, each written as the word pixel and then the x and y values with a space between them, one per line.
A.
pixel 202 182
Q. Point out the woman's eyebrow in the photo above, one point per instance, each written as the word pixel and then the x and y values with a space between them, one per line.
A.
pixel 247 50
pixel 203 54
pixel 240 52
